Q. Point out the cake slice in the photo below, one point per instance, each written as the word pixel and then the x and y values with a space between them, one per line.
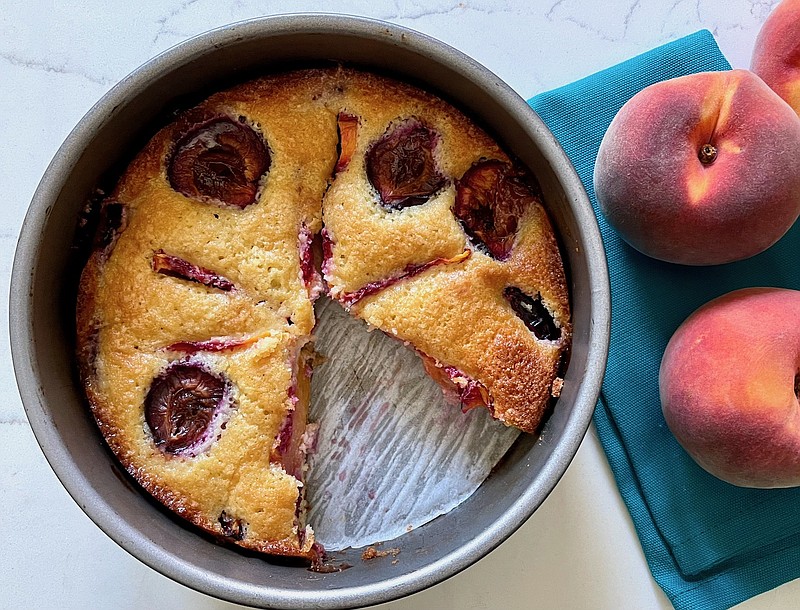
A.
pixel 195 311
pixel 435 236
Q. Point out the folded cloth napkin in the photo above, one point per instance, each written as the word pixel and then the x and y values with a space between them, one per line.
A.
pixel 709 544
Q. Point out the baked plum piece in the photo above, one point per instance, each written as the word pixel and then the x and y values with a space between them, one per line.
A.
pixel 491 198
pixel 175 266
pixel 401 165
pixel 181 405
pixel 219 160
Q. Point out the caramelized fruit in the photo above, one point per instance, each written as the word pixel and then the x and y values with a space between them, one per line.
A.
pixel 491 197
pixel 401 167
pixel 181 404
pixel 221 160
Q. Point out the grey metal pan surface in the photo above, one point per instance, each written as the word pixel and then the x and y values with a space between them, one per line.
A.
pixel 42 311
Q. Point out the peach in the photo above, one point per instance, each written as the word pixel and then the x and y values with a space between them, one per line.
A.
pixel 776 56
pixel 729 385
pixel 701 170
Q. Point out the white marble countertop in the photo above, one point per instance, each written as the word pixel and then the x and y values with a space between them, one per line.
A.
pixel 57 58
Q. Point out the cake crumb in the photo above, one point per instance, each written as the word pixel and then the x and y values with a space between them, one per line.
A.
pixel 371 553
pixel 558 384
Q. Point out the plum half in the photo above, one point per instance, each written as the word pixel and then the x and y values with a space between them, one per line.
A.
pixel 401 165
pixel 182 405
pixel 221 160
pixel 491 197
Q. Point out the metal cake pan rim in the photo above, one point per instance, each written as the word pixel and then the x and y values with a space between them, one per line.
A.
pixel 87 496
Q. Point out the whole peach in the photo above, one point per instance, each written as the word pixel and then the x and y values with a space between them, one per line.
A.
pixel 729 384
pixel 701 170
pixel 776 56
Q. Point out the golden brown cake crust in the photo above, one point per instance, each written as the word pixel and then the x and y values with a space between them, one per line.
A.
pixel 453 313
pixel 134 321
pixel 128 315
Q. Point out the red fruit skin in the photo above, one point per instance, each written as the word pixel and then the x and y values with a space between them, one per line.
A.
pixel 348 138
pixel 175 266
pixel 664 201
pixel 214 344
pixel 776 55
pixel 348 299
pixel 311 277
pixel 728 387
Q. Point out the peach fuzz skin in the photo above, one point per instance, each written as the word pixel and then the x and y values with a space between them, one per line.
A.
pixel 776 55
pixel 728 385
pixel 664 201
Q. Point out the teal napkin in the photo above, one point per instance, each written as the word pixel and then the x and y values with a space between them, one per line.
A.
pixel 709 544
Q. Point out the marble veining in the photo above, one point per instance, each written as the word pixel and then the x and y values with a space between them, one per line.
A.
pixel 163 21
pixel 34 64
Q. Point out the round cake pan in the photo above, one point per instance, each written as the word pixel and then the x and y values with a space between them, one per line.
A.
pixel 42 311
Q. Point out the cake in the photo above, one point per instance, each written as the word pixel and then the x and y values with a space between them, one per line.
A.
pixel 195 309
